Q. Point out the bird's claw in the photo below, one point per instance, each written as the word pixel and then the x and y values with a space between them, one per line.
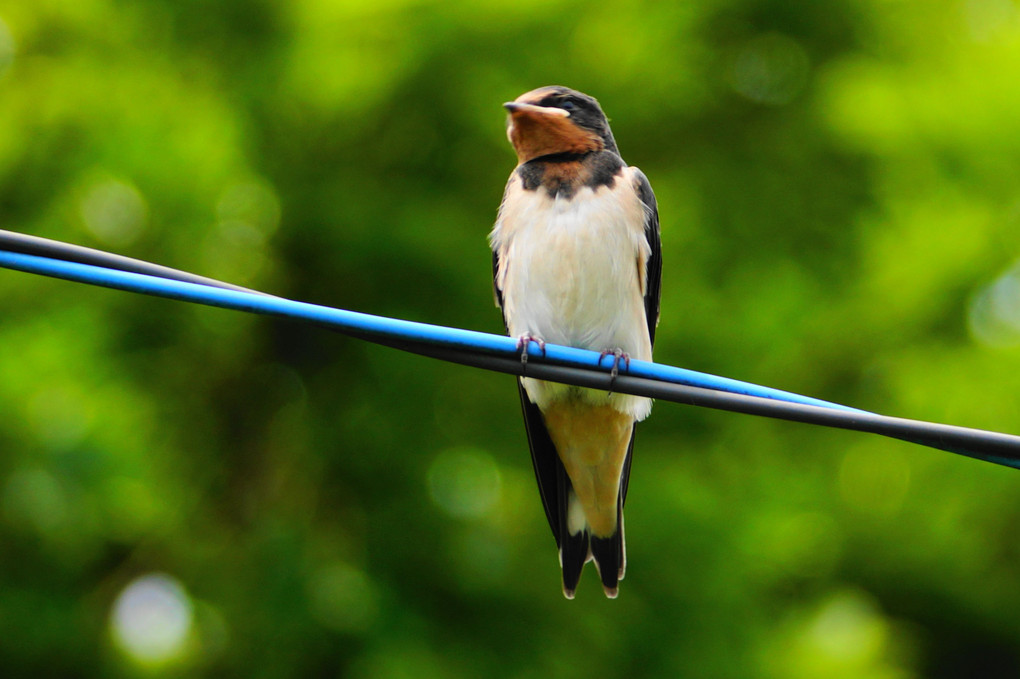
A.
pixel 522 346
pixel 618 355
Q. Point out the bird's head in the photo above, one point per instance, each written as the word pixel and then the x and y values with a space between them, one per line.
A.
pixel 552 120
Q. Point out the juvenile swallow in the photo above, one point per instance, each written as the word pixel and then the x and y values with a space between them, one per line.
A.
pixel 576 261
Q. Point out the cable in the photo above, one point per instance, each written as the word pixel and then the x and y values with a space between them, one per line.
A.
pixel 499 353
pixel 994 447
pixel 54 249
pixel 371 326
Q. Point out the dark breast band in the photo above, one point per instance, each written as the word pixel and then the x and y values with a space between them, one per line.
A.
pixel 562 175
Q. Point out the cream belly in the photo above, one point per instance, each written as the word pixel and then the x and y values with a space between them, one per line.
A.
pixel 572 274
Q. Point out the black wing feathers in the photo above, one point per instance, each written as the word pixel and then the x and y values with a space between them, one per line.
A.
pixel 653 269
pixel 495 285
pixel 653 283
pixel 546 461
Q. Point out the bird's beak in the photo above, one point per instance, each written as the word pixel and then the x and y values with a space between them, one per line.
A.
pixel 517 108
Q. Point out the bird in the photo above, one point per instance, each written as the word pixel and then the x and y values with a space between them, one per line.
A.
pixel 576 261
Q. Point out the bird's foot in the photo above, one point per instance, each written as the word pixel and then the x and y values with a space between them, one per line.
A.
pixel 618 355
pixel 522 346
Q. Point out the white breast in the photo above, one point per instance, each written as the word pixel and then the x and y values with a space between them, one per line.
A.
pixel 571 272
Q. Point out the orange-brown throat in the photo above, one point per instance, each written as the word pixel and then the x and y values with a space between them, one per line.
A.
pixel 535 132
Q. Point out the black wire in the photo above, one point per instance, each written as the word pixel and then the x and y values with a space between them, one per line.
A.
pixel 990 446
pixel 53 249
pixel 1003 449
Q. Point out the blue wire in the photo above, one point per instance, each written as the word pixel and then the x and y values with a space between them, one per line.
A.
pixel 380 326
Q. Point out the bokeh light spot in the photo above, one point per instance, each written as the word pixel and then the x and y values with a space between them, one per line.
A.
pixel 6 47
pixel 114 212
pixel 152 619
pixel 994 311
pixel 848 628
pixel 465 483
pixel 343 598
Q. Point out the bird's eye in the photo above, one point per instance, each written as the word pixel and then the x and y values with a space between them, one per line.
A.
pixel 568 105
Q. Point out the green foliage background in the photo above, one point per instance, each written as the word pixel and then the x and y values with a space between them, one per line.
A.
pixel 840 198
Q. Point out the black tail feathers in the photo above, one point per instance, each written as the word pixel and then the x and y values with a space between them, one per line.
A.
pixel 609 555
pixel 577 549
pixel 610 558
pixel 574 553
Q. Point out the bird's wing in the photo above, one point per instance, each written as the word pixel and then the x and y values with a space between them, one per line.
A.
pixel 653 281
pixel 653 268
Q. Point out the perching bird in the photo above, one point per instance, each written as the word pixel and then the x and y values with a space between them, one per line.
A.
pixel 576 261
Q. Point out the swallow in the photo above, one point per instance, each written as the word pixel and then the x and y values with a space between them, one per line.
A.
pixel 576 261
